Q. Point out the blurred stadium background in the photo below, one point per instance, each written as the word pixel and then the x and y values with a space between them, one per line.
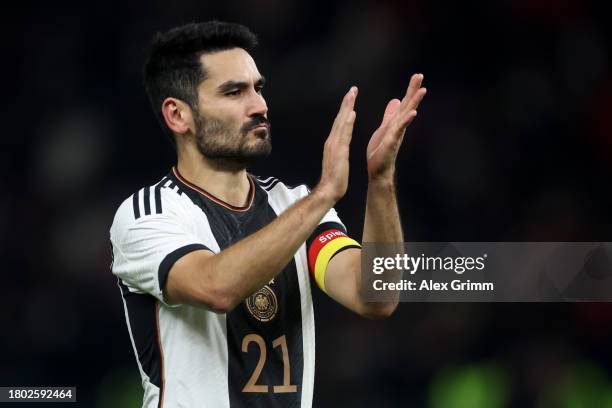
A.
pixel 513 143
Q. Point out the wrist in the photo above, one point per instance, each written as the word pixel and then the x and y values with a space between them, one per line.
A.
pixel 324 196
pixel 382 180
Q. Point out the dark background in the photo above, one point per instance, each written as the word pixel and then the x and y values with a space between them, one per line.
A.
pixel 512 143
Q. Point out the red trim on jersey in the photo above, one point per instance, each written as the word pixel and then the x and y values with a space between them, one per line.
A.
pixel 318 243
pixel 215 199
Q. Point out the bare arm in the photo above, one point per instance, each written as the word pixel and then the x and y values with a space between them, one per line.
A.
pixel 382 221
pixel 221 281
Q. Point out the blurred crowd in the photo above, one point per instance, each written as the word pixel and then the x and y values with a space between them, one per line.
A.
pixel 512 143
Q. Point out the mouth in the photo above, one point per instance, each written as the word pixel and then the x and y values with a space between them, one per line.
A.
pixel 260 126
pixel 260 131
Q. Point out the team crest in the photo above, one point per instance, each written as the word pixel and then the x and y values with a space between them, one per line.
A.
pixel 263 304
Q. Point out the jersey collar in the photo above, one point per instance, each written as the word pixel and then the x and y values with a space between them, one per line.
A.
pixel 217 200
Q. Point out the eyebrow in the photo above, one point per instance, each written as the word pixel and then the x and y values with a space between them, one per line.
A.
pixel 239 85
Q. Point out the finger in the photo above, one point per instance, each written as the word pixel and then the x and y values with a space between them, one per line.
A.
pixel 350 100
pixel 390 110
pixel 348 127
pixel 408 119
pixel 347 105
pixel 347 118
pixel 338 118
pixel 413 104
pixel 415 83
pixel 401 121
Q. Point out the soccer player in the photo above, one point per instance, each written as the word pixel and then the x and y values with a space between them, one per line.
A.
pixel 216 265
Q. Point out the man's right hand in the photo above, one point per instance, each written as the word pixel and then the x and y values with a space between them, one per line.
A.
pixel 335 167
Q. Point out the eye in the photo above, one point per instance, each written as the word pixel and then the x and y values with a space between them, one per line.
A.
pixel 259 89
pixel 233 93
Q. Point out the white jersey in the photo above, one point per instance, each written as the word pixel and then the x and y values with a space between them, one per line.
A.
pixel 262 353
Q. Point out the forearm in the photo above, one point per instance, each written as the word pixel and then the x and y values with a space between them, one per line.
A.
pixel 344 280
pixel 382 225
pixel 252 262
pixel 382 221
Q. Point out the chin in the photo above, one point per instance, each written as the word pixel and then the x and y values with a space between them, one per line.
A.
pixel 260 149
pixel 261 134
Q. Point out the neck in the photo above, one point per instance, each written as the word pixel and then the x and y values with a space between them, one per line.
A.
pixel 228 183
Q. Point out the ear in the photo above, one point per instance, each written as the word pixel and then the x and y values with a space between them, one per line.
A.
pixel 178 116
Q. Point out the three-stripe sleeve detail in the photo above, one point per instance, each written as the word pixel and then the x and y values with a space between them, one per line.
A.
pixel 148 200
pixel 268 183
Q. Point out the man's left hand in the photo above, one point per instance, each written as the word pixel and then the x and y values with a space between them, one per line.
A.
pixel 386 140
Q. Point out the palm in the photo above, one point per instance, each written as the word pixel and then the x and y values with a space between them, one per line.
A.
pixel 386 140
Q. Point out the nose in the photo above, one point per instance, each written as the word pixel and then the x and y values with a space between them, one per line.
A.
pixel 258 106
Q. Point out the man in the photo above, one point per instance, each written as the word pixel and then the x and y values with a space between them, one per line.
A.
pixel 214 263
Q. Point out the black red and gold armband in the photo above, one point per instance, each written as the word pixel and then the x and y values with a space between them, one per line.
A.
pixel 323 248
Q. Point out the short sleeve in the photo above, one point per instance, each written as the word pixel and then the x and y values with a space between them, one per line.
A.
pixel 146 247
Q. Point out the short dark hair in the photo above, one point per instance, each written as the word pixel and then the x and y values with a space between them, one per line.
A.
pixel 173 68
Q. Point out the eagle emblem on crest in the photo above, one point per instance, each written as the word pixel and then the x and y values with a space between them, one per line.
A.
pixel 263 304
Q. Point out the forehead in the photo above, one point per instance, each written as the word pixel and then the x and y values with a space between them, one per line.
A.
pixel 229 65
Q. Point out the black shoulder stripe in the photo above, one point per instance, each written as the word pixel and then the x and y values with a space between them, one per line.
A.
pixel 136 205
pixel 158 202
pixel 269 183
pixel 270 186
pixel 147 201
pixel 172 185
pixel 166 183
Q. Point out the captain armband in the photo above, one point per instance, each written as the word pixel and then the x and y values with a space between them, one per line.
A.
pixel 322 250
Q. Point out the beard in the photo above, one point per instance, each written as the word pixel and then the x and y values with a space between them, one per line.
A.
pixel 229 147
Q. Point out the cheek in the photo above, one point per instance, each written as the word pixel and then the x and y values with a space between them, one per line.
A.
pixel 232 122
pixel 220 123
pixel 229 110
